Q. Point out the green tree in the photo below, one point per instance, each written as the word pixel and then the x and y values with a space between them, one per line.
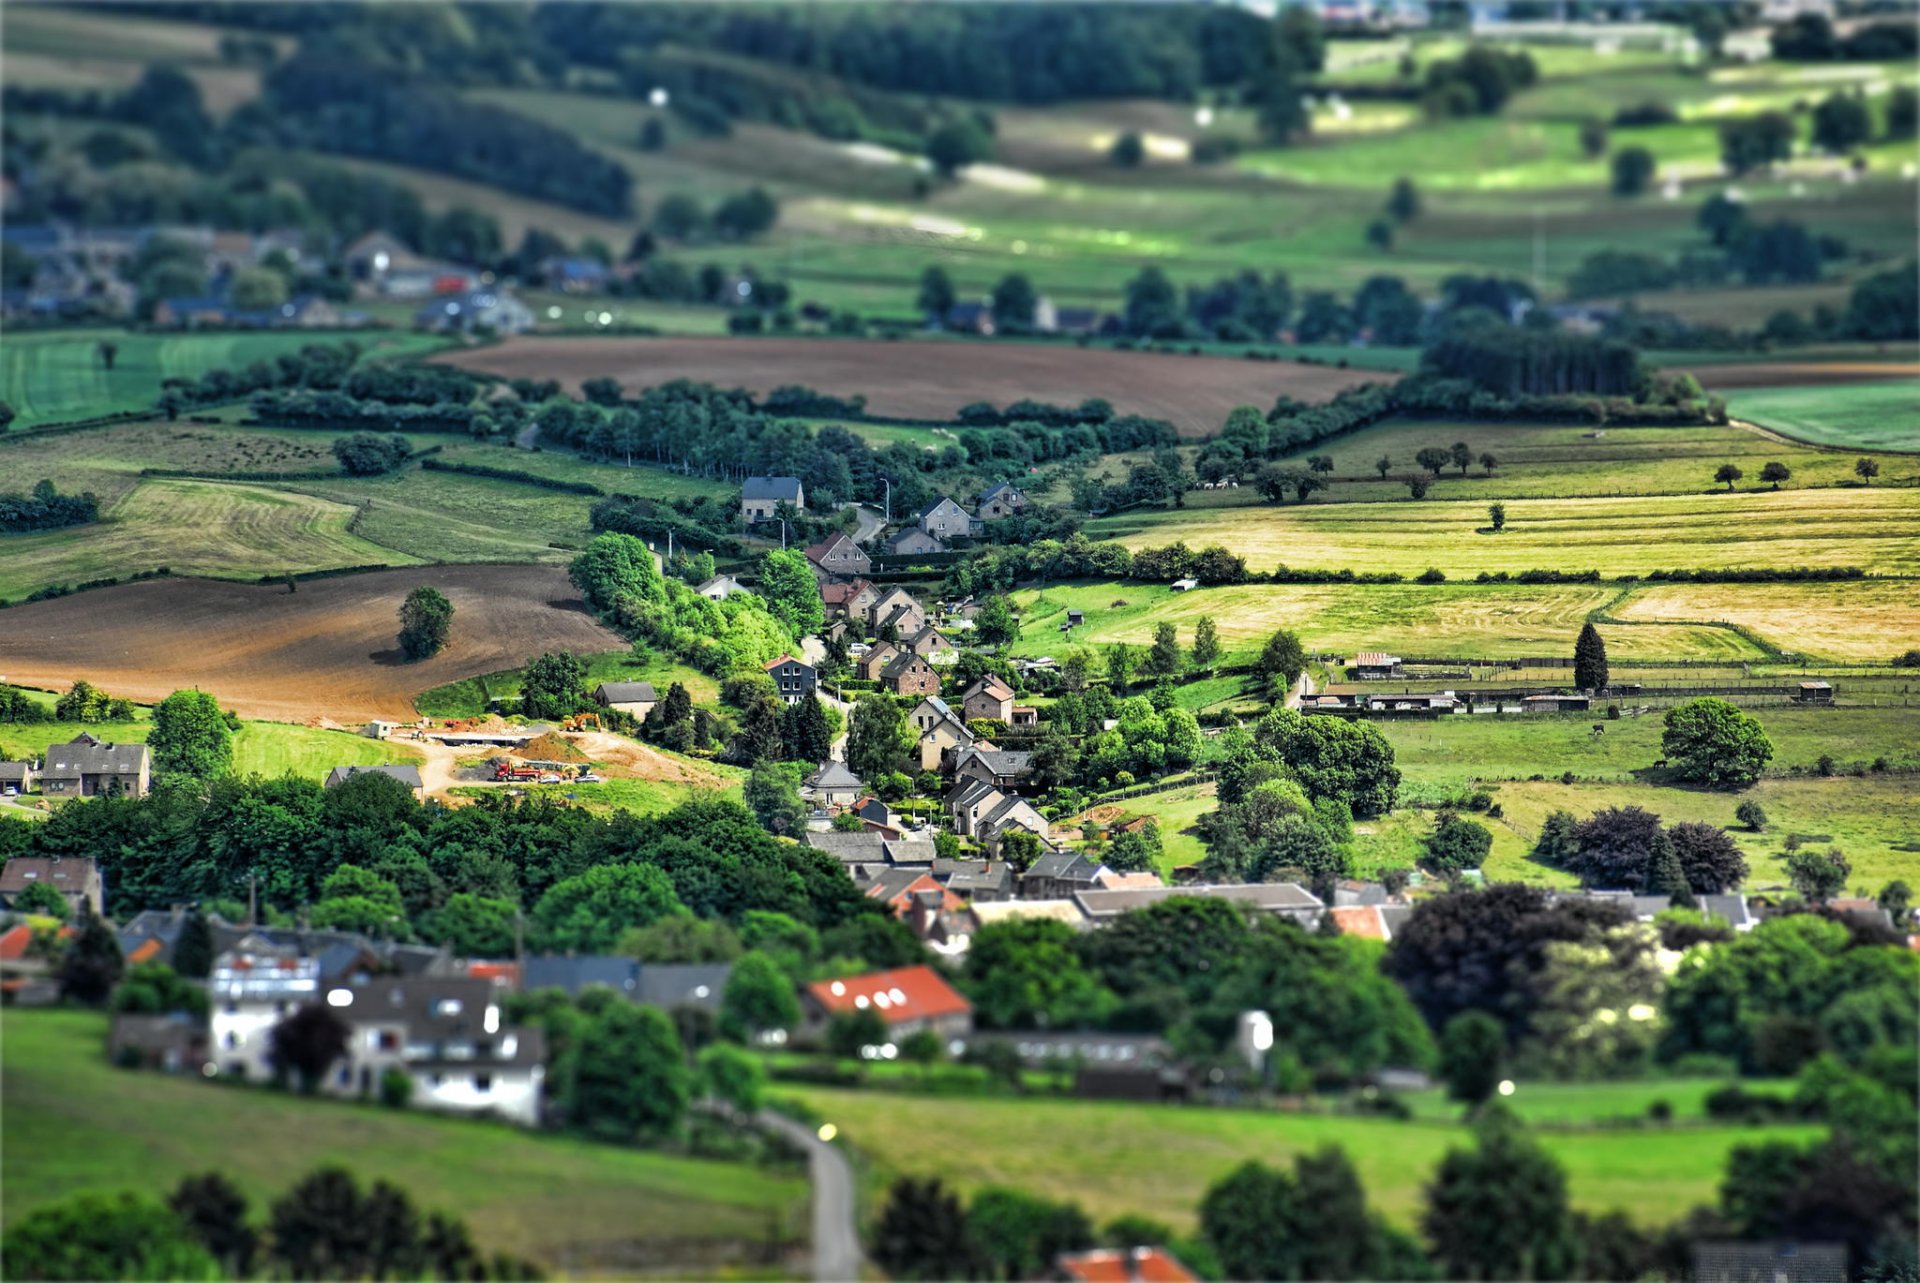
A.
pixel 1014 303
pixel 1312 1223
pixel 615 566
pixel 588 913
pixel 628 1074
pixel 1497 514
pixel 956 144
pixel 922 1233
pixel 880 740
pixel 191 736
pixel 154 988
pixel 1841 122
pixel 773 796
pixel 1026 973
pixel 1282 659
pixel 193 948
pixel 426 617
pixel 1153 305
pixel 1775 472
pixel 92 964
pixel 102 1237
pixel 215 1213
pixel 1499 1210
pixel 1206 644
pixel 1119 659
pixel 791 593
pixel 733 1077
pixel 1557 846
pixel 759 998
pixel 1163 657
pixel 1728 473
pixel 1818 877
pixel 936 297
pixel 1709 741
pixel 42 899
pixel 474 926
pixel 1866 469
pixel 308 1042
pixel 1018 1236
pixel 996 624
pixel 1633 171
pixel 255 289
pixel 1403 201
pixel 1590 659
pixel 554 685
pixel 1127 151
pixel 1456 843
pixel 1473 1051
pixel 1751 814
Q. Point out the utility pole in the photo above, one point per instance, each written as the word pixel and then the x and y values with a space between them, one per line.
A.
pixel 1539 250
pixel 253 899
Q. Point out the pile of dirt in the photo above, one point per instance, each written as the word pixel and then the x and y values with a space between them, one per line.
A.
pixel 552 747
pixel 624 757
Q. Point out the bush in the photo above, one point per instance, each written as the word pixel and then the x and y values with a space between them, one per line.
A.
pixel 396 1089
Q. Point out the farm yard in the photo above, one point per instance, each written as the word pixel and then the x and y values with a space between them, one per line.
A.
pixel 925 379
pixel 327 650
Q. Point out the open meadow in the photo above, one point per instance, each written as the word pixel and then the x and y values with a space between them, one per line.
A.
pixel 70 1122
pixel 1864 416
pixel 1116 1158
pixel 326 650
pixel 1877 530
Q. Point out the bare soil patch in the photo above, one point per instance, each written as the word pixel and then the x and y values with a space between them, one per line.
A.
pixel 628 759
pixel 1800 374
pixel 923 379
pixel 327 651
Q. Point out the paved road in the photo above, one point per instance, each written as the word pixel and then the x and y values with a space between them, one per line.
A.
pixel 872 522
pixel 836 1238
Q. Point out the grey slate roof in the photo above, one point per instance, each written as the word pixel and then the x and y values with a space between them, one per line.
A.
pixel 407 773
pixel 1278 897
pixel 622 975
pixel 85 755
pixel 1068 865
pixel 778 489
pixel 834 775
pixel 864 847
pixel 1004 761
pixel 627 693
pixel 688 984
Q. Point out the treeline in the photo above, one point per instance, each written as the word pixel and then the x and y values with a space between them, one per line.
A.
pixel 336 102
pixel 45 508
pixel 314 366
pixel 1810 37
pixel 1514 362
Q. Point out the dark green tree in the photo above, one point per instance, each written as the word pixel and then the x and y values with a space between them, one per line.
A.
pixel 922 1233
pixel 936 297
pixel 554 685
pixel 426 617
pixel 193 949
pixel 628 1075
pixel 1499 1210
pixel 191 736
pixel 1712 742
pixel 880 740
pixel 759 998
pixel 1018 1236
pixel 1473 1052
pixel 308 1042
pixel 1456 843
pixel 1633 171
pixel 1014 303
pixel 215 1213
pixel 774 798
pixel 1590 659
pixel 92 964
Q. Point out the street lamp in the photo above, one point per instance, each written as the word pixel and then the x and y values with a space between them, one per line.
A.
pixel 888 483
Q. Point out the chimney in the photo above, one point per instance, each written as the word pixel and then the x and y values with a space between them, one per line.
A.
pixel 1137 1263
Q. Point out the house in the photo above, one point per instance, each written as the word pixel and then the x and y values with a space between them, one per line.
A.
pixel 720 587
pixel 833 785
pixel 989 699
pixel 1814 693
pixel 966 318
pixel 898 888
pixel 999 813
pixel 908 999
pixel 635 699
pixel 1121 1265
pixel 911 542
pixel 1284 898
pixel 1060 875
pixel 76 877
pixel 796 679
pixel 175 1043
pixel 941 731
pixel 576 275
pixel 986 913
pixel 944 519
pixel 851 600
pixel 443 1033
pixel 16 778
pixel 1001 500
pixel 407 773
pixel 839 557
pixel 909 674
pixel 760 497
pixel 377 253
pixel 929 642
pixel 875 661
pixel 1024 715
pixel 1769 1262
pixel 988 880
pixel 474 310
pixel 1002 768
pixel 668 986
pixel 87 767
pixel 896 608
pixel 1373 665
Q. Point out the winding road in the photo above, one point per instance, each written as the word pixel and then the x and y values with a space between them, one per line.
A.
pixel 836 1236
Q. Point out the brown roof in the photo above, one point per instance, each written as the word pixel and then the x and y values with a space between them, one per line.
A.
pixel 1362 920
pixel 1125 1265
pixel 71 875
pixel 1375 659
pixel 905 993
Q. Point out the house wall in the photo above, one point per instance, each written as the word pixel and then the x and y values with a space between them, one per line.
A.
pixel 636 709
pixel 511 1095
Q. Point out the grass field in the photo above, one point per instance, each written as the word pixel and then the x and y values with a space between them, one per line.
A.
pixel 1865 416
pixel 442 516
pixel 265 748
pixel 469 698
pixel 73 1123
pixel 54 375
pixel 1093 1153
pixel 1861 622
pixel 1556 1104
pixel 219 529
pixel 1878 530
pixel 1490 621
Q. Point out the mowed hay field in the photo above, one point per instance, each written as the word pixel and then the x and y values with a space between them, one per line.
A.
pixel 73 1123
pixel 1092 1152
pixel 193 528
pixel 928 379
pixel 325 651
pixel 1862 622
pixel 1492 621
pixel 1877 530
pixel 1866 416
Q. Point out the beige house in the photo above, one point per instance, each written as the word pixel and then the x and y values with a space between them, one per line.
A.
pixel 636 699
pixel 990 699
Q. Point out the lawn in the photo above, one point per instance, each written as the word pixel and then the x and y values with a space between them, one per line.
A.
pixel 1557 1104
pixel 443 516
pixel 264 748
pixel 55 375
pixel 1875 529
pixel 1867 621
pixel 219 529
pixel 1862 416
pixel 469 698
pixel 641 797
pixel 1470 620
pixel 73 1123
pixel 615 478
pixel 1094 1153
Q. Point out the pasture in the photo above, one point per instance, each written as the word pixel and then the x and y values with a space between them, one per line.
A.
pixel 1093 1152
pixel 259 748
pixel 470 696
pixel 327 650
pixel 1875 529
pixel 446 517
pixel 50 376
pixel 1863 416
pixel 70 1120
pixel 1867 621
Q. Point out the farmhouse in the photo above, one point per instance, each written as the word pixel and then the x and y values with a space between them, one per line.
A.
pixel 839 557
pixel 720 587
pixel 912 541
pixel 833 785
pixel 75 877
pixel 483 309
pixel 760 497
pixel 16 777
pixel 795 678
pixel 1001 500
pixel 87 767
pixel 989 699
pixel 908 999
pixel 909 674
pixel 407 773
pixel 1374 665
pixel 636 699
pixel 944 519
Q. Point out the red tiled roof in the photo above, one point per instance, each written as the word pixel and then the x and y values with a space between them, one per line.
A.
pixel 13 944
pixel 501 973
pixel 1360 920
pixel 1125 1265
pixel 905 993
pixel 146 951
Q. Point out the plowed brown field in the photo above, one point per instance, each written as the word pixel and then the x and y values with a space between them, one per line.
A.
pixel 325 652
pixel 921 379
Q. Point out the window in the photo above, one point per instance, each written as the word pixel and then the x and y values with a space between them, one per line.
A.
pixel 483 1083
pixel 389 1040
pixel 232 1040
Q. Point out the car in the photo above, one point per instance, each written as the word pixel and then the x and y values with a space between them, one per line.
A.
pixel 550 778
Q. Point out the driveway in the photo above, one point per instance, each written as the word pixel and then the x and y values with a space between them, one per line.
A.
pixel 836 1236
